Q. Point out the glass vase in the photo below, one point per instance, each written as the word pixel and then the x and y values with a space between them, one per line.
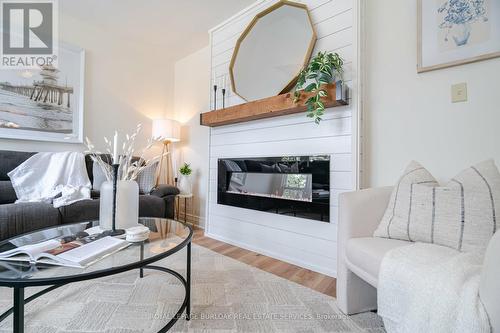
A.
pixel 462 34
pixel 127 204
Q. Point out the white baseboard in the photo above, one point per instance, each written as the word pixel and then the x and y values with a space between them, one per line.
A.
pixel 332 272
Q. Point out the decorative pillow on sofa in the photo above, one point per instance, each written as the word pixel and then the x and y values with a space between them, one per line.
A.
pixel 99 177
pixel 462 214
pixel 147 178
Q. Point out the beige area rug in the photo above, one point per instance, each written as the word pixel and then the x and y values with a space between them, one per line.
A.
pixel 227 296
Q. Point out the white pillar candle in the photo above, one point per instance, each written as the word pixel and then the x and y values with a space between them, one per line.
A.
pixel 115 148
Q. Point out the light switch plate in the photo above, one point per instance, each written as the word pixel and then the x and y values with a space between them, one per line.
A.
pixel 459 92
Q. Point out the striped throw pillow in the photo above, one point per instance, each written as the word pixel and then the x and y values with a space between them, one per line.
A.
pixel 147 178
pixel 461 214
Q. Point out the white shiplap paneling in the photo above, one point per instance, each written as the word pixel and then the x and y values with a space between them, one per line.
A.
pixel 311 244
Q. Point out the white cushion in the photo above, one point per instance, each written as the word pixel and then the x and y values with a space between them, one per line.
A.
pixel 147 178
pixel 461 215
pixel 394 223
pixel 364 255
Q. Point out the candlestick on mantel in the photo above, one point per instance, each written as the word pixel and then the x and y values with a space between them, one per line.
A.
pixel 223 91
pixel 215 97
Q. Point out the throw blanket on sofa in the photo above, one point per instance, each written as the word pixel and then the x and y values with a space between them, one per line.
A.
pixel 57 178
pixel 431 288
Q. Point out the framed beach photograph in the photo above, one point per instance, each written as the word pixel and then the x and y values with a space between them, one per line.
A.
pixel 44 104
pixel 456 32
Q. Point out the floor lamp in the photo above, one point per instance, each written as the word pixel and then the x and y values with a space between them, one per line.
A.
pixel 167 131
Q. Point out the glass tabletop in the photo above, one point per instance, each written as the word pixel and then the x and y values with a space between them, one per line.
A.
pixel 166 237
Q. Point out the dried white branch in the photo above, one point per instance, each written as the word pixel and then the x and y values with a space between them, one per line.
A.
pixel 130 169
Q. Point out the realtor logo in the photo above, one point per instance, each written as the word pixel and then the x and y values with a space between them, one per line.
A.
pixel 29 33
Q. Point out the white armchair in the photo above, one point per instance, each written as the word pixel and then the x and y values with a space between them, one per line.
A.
pixel 360 255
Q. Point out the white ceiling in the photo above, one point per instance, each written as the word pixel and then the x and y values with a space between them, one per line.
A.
pixel 180 26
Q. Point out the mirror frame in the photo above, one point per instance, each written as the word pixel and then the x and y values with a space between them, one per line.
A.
pixel 252 23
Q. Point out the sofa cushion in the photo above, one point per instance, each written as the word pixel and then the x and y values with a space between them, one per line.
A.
pixel 99 177
pixel 88 210
pixel 89 164
pixel 10 161
pixel 85 210
pixel 151 206
pixel 7 193
pixel 364 255
pixel 147 178
pixel 16 219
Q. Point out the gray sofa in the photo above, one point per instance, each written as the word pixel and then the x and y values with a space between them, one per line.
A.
pixel 20 218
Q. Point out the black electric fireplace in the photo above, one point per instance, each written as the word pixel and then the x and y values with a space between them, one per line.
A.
pixel 291 185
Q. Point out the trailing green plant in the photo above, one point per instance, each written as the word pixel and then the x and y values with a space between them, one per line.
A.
pixel 322 70
pixel 185 169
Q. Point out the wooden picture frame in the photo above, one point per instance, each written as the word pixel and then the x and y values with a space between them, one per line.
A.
pixel 293 80
pixel 456 52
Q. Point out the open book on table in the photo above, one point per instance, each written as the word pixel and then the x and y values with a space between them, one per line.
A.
pixel 78 253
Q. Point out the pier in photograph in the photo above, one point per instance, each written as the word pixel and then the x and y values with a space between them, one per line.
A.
pixel 46 91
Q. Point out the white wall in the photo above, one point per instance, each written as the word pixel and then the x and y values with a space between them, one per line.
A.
pixel 409 115
pixel 307 243
pixel 126 83
pixel 192 77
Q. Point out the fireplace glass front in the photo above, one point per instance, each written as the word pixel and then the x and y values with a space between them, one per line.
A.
pixel 297 186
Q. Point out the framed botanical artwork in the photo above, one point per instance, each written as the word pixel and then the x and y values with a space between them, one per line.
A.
pixel 456 32
pixel 44 104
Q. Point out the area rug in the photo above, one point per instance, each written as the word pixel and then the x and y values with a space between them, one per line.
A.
pixel 227 296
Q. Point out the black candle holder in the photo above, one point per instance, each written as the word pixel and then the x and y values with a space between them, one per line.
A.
pixel 223 98
pixel 215 97
pixel 114 231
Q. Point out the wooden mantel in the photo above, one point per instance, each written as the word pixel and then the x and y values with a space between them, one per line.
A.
pixel 272 107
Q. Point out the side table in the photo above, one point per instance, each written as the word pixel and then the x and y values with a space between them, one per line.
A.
pixel 179 197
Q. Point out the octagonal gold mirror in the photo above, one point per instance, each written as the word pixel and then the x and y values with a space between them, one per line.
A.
pixel 271 51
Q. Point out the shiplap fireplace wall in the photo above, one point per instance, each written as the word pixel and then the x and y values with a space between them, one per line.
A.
pixel 310 244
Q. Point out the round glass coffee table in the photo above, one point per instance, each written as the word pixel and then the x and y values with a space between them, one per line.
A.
pixel 166 238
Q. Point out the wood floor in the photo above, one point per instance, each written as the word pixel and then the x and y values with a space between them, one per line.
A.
pixel 319 282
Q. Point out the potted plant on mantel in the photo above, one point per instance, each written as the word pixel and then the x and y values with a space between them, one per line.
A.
pixel 323 69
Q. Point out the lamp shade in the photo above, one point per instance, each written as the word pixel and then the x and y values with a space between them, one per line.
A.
pixel 166 130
